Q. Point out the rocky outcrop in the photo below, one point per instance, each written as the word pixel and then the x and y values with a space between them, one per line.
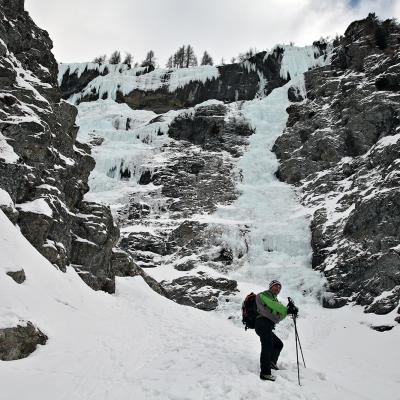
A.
pixel 20 341
pixel 42 166
pixel 18 276
pixel 342 148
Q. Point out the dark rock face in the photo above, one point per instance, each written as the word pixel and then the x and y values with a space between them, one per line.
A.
pixel 47 175
pixel 188 192
pixel 95 235
pixel 294 95
pixel 341 146
pixel 19 342
pixel 18 276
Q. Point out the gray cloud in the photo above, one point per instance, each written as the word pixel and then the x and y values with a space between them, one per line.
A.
pixel 82 30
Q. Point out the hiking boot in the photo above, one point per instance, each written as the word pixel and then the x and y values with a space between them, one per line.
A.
pixel 274 366
pixel 266 377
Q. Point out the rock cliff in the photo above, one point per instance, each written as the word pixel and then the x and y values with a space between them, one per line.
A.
pixel 43 168
pixel 341 147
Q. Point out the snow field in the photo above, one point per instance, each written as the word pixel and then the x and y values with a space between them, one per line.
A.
pixel 5 199
pixel 135 344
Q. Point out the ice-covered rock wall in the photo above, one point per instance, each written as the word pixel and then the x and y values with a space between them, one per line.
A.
pixel 161 90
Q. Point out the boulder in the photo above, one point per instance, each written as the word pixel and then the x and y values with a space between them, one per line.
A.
pixel 18 276
pixel 199 291
pixel 20 341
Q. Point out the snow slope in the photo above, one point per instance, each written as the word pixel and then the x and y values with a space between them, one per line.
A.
pixel 136 344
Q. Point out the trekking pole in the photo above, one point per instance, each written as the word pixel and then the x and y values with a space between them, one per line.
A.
pixel 298 339
pixel 297 351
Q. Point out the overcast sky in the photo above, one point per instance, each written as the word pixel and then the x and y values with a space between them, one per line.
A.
pixel 83 29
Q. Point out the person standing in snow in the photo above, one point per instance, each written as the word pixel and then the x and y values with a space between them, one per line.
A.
pixel 270 312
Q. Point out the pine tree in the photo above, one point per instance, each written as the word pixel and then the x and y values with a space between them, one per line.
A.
pixel 206 59
pixel 170 62
pixel 184 57
pixel 100 59
pixel 179 58
pixel 150 59
pixel 115 57
pixel 190 57
pixel 128 59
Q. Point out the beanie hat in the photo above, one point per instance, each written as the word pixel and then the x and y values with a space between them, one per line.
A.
pixel 274 282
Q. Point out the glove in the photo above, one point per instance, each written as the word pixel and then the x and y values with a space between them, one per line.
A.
pixel 292 309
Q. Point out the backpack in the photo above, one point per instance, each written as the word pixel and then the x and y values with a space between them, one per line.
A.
pixel 249 311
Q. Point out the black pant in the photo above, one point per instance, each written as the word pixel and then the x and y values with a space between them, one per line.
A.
pixel 271 345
